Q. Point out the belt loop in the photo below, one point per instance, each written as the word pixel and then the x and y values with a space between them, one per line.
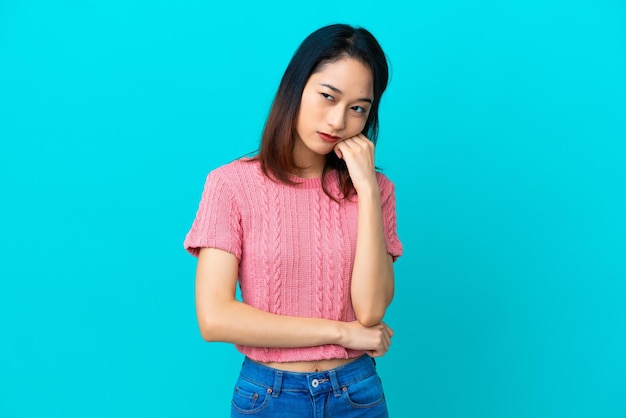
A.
pixel 278 381
pixel 333 380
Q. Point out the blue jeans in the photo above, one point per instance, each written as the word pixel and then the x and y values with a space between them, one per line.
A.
pixel 352 390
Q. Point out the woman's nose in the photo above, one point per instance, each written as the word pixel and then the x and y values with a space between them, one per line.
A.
pixel 336 118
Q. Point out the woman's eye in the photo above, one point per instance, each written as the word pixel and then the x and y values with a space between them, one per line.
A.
pixel 358 109
pixel 327 96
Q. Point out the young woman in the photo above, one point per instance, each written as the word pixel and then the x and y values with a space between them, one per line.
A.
pixel 307 228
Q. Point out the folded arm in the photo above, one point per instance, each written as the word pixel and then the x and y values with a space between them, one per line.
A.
pixel 221 317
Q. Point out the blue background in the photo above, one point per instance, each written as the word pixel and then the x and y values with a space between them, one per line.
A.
pixel 503 128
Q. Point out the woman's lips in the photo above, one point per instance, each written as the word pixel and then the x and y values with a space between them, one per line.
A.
pixel 328 138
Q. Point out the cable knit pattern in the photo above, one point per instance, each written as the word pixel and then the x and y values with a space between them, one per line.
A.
pixel 319 258
pixel 294 244
pixel 339 257
pixel 277 274
pixel 265 245
pixel 328 266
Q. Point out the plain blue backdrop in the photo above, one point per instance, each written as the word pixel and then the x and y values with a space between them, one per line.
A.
pixel 503 128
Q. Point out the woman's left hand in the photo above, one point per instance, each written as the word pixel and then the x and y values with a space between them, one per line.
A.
pixel 358 153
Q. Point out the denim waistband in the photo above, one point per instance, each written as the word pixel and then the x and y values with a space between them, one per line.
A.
pixel 276 380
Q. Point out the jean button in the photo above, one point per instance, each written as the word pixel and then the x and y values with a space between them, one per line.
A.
pixel 315 383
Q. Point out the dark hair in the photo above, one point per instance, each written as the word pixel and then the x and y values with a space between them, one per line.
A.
pixel 327 44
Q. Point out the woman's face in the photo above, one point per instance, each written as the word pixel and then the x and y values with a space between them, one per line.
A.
pixel 335 105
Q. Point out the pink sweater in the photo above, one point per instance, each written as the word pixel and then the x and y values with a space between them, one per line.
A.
pixel 294 244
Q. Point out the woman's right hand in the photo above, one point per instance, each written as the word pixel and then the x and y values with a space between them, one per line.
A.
pixel 375 340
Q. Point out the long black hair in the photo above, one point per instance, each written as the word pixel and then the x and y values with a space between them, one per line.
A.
pixel 325 45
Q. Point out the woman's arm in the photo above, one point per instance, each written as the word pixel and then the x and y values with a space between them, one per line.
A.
pixel 372 284
pixel 221 317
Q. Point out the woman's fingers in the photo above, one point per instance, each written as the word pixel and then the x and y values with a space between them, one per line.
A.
pixel 385 339
pixel 374 340
pixel 358 153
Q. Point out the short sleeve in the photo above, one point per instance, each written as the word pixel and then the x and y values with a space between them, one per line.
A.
pixel 218 221
pixel 388 199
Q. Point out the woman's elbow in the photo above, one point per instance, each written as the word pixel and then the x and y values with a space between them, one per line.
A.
pixel 370 318
pixel 373 313
pixel 209 330
pixel 206 333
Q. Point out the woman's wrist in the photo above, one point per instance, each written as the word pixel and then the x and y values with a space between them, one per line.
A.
pixel 368 190
pixel 341 331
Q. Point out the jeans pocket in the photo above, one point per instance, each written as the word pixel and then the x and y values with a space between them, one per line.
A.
pixel 364 393
pixel 249 397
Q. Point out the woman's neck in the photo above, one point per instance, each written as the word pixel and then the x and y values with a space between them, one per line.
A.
pixel 310 164
pixel 309 172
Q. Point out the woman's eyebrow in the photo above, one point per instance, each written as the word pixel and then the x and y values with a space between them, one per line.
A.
pixel 336 90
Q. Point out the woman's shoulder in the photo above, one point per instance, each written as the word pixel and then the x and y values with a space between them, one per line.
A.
pixel 383 181
pixel 239 169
